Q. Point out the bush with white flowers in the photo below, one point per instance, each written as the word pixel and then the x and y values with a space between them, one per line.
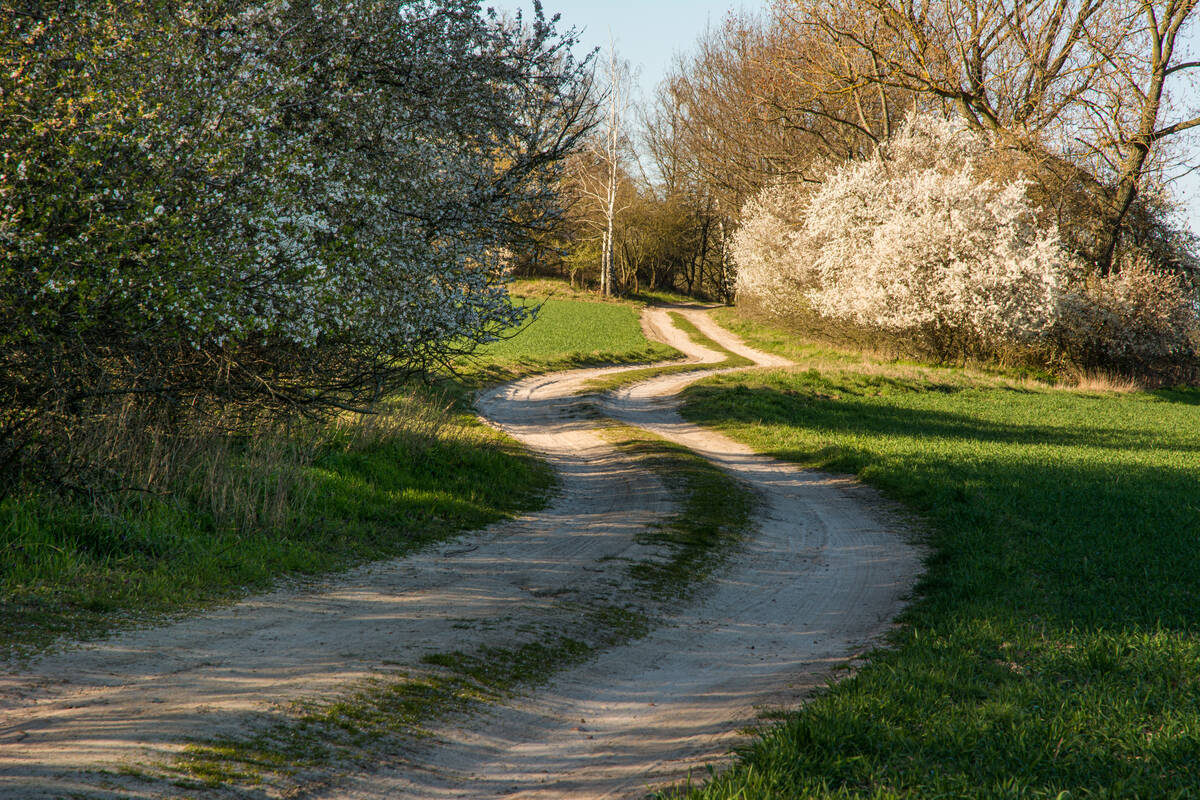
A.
pixel 264 202
pixel 911 241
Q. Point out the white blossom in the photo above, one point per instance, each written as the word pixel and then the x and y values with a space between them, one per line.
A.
pixel 910 240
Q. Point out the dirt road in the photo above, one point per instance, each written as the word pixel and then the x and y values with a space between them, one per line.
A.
pixel 819 581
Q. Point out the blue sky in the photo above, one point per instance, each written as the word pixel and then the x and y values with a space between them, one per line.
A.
pixel 649 33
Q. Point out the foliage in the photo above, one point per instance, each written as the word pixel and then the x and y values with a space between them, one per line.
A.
pixel 934 242
pixel 1052 646
pixel 1139 318
pixel 910 241
pixel 1096 82
pixel 262 203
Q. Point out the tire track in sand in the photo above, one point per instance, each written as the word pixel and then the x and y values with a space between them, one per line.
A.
pixel 818 583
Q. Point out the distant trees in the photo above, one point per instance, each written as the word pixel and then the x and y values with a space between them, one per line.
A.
pixel 636 216
pixel 757 100
pixel 262 204
pixel 1072 102
pixel 598 171
pixel 1080 90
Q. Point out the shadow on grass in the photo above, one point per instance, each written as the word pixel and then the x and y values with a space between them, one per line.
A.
pixel 841 411
pixel 1189 395
pixel 1053 644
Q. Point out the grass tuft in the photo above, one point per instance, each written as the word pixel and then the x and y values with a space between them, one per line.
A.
pixel 715 515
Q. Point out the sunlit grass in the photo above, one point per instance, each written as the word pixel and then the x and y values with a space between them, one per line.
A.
pixel 72 568
pixel 569 333
pixel 628 377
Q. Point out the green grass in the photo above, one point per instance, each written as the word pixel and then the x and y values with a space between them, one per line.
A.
pixel 1052 650
pixel 71 567
pixel 380 714
pixel 569 333
pixel 70 570
pixel 715 514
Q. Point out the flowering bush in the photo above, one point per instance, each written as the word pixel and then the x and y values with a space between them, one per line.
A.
pixel 1138 319
pixel 910 241
pixel 264 202
pixel 770 253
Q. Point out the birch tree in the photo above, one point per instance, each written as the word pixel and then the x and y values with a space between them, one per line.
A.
pixel 599 175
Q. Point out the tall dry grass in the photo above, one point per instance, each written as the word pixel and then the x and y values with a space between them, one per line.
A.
pixel 243 474
pixel 1099 380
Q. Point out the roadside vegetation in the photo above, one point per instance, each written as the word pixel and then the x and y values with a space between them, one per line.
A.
pixel 235 514
pixel 619 379
pixel 218 514
pixel 1051 649
pixel 222 274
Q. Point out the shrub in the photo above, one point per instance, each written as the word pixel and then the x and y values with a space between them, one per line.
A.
pixel 913 242
pixel 1139 319
pixel 925 242
pixel 259 203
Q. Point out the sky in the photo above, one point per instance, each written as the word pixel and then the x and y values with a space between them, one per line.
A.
pixel 650 33
pixel 647 33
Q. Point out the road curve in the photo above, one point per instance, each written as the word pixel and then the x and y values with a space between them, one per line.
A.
pixel 819 582
pixel 825 572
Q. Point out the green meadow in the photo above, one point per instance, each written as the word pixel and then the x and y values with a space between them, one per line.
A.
pixel 1051 649
pixel 568 333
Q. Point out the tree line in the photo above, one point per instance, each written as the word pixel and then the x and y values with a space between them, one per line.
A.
pixel 235 209
pixel 1077 101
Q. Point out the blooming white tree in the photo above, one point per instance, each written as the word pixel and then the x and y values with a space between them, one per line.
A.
pixel 281 202
pixel 913 240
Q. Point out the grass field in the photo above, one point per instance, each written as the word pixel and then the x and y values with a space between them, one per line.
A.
pixel 1052 651
pixel 79 566
pixel 569 333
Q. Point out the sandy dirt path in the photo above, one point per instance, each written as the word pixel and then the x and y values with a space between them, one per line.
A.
pixel 825 572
